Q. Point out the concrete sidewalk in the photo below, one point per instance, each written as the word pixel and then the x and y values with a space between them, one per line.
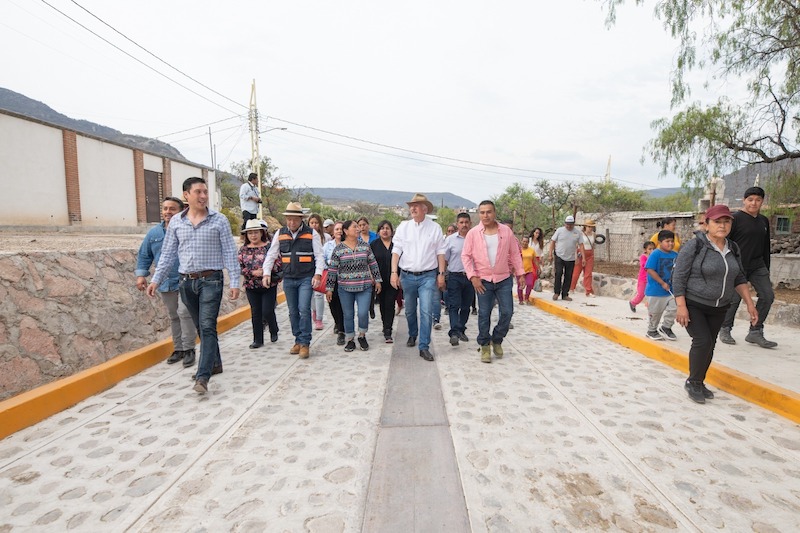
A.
pixel 779 366
pixel 568 432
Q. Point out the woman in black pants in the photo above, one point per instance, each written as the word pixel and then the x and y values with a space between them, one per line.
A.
pixel 335 305
pixel 382 250
pixel 262 299
pixel 707 272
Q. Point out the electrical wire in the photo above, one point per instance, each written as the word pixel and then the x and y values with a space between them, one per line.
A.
pixel 137 59
pixel 176 69
pixel 200 126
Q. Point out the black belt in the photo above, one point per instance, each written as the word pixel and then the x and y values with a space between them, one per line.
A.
pixel 454 273
pixel 419 273
pixel 198 275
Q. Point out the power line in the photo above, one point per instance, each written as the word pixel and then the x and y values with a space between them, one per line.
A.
pixel 434 155
pixel 494 172
pixel 198 127
pixel 135 58
pixel 157 57
pixel 204 134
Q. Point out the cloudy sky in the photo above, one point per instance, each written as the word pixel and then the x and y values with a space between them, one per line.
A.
pixel 502 92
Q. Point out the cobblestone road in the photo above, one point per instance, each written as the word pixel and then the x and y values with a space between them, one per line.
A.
pixel 567 432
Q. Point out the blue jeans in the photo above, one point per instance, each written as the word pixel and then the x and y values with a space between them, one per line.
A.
pixel 298 300
pixel 202 297
pixel 436 306
pixel 759 279
pixel 420 288
pixel 460 293
pixel 349 301
pixel 501 292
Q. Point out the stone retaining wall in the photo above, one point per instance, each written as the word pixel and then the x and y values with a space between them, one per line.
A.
pixel 61 313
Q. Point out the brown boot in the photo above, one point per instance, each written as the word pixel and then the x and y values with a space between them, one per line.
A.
pixel 303 352
pixel 295 349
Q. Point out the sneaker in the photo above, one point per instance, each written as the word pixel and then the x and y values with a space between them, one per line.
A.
pixel 454 340
pixel 486 354
pixel 318 324
pixel 654 335
pixel 463 337
pixel 707 394
pixel 436 325
pixel 725 336
pixel 633 307
pixel 695 391
pixel 756 336
pixel 388 339
pixel 591 295
pixel 340 339
pixel 350 346
pixel 201 386
pixel 668 334
pixel 498 350
pixel 176 356
pixel 188 358
pixel 363 344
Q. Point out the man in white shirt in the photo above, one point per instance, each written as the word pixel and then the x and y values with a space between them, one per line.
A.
pixel 249 198
pixel 418 267
pixel 563 248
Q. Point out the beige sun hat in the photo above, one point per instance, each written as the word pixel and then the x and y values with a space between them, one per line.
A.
pixel 294 209
pixel 421 199
pixel 589 222
pixel 252 224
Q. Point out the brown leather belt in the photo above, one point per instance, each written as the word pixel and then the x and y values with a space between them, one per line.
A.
pixel 198 275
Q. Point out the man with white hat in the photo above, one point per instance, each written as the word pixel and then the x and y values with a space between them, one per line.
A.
pixel 418 266
pixel 563 248
pixel 300 250
pixel 327 229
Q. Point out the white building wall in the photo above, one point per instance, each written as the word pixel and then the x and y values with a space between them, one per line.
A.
pixel 108 191
pixel 32 157
pixel 153 163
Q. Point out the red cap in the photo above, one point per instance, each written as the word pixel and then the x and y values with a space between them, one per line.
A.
pixel 718 211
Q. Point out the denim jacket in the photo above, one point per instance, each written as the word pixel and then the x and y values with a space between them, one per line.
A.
pixel 148 255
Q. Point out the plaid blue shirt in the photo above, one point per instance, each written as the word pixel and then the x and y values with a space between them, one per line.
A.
pixel 207 246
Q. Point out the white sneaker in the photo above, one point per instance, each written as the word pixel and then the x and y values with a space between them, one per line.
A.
pixel 591 295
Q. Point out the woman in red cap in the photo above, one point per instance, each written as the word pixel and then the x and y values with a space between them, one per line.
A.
pixel 707 272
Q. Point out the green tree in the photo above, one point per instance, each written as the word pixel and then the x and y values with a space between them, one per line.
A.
pixel 607 197
pixel 783 190
pixel 445 216
pixel 275 193
pixel 678 202
pixel 757 41
pixel 558 199
pixel 519 204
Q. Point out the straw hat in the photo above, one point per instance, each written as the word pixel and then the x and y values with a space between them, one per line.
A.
pixel 293 209
pixel 253 224
pixel 421 199
pixel 589 222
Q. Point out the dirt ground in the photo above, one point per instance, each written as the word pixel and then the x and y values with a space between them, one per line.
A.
pixel 627 270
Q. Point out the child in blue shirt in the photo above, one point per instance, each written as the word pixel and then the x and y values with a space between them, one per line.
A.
pixel 660 301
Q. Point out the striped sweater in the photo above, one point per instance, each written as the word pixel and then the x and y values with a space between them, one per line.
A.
pixel 354 268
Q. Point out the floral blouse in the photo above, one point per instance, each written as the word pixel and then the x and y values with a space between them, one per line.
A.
pixel 253 259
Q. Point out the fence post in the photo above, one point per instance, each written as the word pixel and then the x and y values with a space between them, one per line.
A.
pixel 608 245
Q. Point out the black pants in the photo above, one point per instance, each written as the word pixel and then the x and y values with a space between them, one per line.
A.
pixel 704 325
pixel 247 215
pixel 336 309
pixel 563 277
pixel 262 308
pixel 386 300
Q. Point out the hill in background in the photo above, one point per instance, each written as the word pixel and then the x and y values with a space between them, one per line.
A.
pixel 22 105
pixel 332 195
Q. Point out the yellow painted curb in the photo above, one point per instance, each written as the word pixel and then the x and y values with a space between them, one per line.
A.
pixel 30 407
pixel 777 399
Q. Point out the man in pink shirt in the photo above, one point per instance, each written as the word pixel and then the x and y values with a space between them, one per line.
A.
pixel 490 256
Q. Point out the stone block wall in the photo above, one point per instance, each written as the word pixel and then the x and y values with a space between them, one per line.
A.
pixel 63 312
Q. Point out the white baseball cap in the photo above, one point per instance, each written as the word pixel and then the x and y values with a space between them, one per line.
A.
pixel 569 220
pixel 328 222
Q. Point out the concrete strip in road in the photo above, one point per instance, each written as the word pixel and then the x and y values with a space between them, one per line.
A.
pixel 34 406
pixel 777 399
pixel 415 483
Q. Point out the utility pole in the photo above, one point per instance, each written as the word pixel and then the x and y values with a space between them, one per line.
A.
pixel 255 161
pixel 608 170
